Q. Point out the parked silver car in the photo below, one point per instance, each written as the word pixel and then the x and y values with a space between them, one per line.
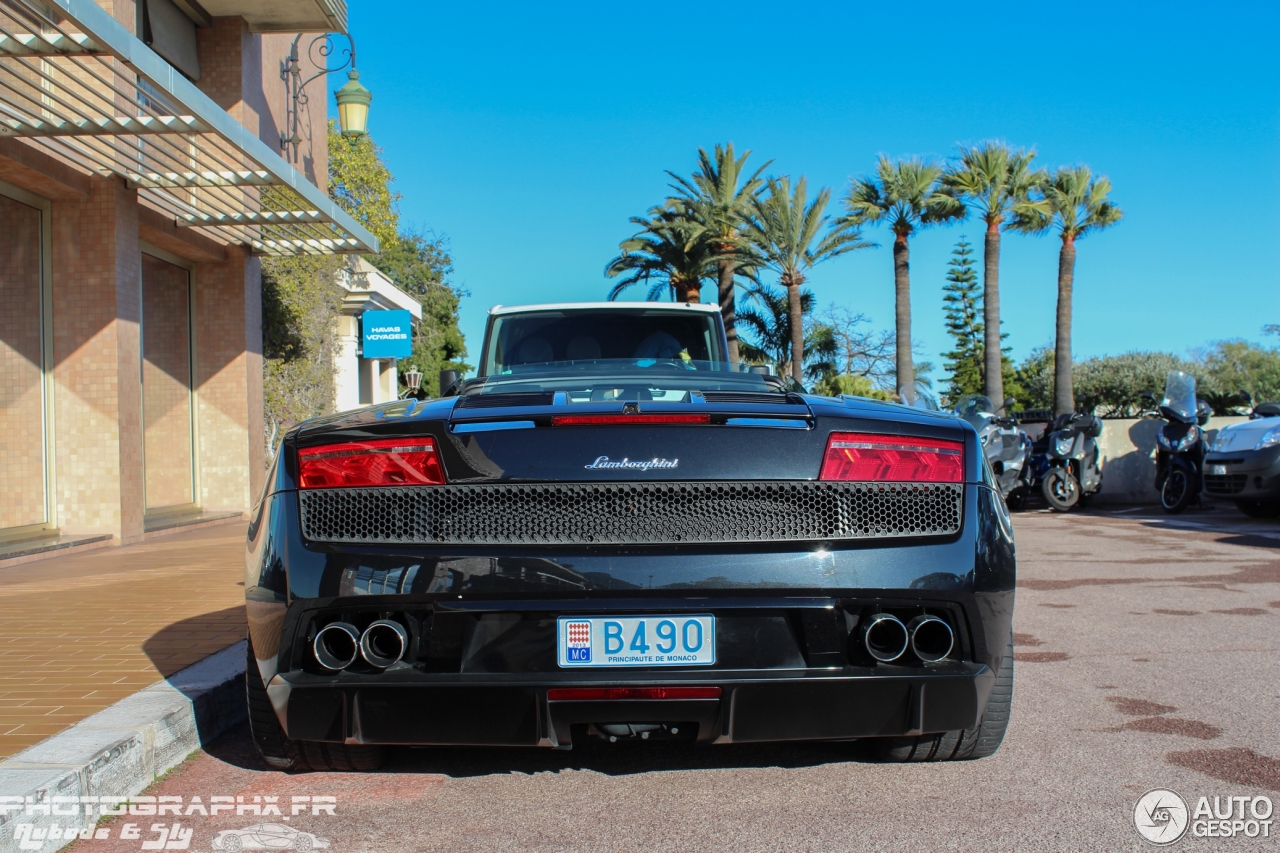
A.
pixel 1244 463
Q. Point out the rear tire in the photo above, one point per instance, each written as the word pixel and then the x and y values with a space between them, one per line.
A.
pixel 1176 494
pixel 1259 509
pixel 1060 489
pixel 1017 499
pixel 979 742
pixel 281 753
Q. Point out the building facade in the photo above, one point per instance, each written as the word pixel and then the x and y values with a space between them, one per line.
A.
pixel 142 177
pixel 360 381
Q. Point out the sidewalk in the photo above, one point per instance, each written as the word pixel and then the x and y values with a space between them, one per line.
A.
pixel 78 633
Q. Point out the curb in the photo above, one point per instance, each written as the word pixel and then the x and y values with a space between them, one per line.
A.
pixel 116 753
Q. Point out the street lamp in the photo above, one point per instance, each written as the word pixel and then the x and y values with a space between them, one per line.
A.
pixel 413 383
pixel 353 106
pixel 413 378
pixel 353 98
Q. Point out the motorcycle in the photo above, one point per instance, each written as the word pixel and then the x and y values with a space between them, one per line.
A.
pixel 1066 462
pixel 1180 443
pixel 1004 444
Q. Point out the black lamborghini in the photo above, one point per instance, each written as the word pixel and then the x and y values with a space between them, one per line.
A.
pixel 613 532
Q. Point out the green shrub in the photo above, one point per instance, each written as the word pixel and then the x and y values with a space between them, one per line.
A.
pixel 854 386
pixel 1112 386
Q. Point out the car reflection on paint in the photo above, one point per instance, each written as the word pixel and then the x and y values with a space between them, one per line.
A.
pixel 268 836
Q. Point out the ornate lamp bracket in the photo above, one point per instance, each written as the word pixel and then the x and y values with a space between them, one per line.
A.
pixel 321 51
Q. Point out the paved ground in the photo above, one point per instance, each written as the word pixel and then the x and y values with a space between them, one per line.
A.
pixel 1147 657
pixel 80 632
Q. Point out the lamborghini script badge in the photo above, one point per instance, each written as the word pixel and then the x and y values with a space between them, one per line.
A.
pixel 604 462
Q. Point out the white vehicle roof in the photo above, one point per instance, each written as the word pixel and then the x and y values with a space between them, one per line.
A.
pixel 616 306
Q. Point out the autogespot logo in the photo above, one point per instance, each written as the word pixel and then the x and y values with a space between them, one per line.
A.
pixel 1161 816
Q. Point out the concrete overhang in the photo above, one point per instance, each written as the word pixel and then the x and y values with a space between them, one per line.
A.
pixel 369 289
pixel 282 16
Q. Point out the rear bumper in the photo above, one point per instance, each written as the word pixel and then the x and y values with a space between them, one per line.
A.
pixel 482 644
pixel 753 707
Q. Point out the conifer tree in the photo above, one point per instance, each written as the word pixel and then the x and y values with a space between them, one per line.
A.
pixel 964 323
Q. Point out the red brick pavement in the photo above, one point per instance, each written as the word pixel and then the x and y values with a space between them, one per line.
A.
pixel 80 632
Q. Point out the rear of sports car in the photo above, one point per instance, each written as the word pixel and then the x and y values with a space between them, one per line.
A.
pixel 527 568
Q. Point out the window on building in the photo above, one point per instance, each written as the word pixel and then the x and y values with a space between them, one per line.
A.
pixel 24 497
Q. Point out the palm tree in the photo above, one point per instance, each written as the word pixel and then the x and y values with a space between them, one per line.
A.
pixel 995 182
pixel 718 198
pixel 768 321
pixel 1074 203
pixel 669 253
pixel 905 195
pixel 783 232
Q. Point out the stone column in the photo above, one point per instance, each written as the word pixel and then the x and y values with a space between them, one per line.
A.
pixel 96 362
pixel 228 321
pixel 346 365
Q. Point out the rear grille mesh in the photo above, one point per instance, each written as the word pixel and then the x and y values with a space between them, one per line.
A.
pixel 1231 484
pixel 751 397
pixel 514 398
pixel 631 513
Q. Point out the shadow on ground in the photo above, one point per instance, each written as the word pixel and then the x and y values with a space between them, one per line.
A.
pixel 183 643
pixel 178 646
pixel 236 749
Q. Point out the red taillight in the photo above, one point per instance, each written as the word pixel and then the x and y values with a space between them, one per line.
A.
pixel 894 458
pixel 373 462
pixel 607 420
pixel 586 694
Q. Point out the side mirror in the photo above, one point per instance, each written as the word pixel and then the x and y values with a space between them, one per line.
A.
pixel 1008 403
pixel 1148 397
pixel 762 369
pixel 448 378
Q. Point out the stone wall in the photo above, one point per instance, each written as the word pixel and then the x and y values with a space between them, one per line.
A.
pixel 1129 458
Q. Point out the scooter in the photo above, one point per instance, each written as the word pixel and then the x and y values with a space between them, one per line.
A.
pixel 1006 447
pixel 1180 443
pixel 1067 463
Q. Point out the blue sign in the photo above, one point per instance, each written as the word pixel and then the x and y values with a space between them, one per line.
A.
pixel 386 334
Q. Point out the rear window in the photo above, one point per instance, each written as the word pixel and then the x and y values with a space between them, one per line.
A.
pixel 589 336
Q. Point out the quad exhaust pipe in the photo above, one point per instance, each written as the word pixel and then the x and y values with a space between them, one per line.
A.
pixel 338 644
pixel 887 638
pixel 383 643
pixel 931 638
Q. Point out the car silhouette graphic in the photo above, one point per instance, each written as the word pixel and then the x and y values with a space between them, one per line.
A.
pixel 268 836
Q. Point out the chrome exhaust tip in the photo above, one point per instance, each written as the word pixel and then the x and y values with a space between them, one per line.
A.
pixel 885 637
pixel 384 643
pixel 336 645
pixel 931 638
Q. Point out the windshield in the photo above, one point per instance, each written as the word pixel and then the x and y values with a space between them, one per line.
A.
pixel 919 397
pixel 1180 394
pixel 576 336
pixel 669 380
pixel 975 408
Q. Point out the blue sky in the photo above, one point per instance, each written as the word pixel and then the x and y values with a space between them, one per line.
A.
pixel 529 133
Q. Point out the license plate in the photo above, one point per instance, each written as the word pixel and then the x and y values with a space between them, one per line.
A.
pixel 636 641
pixel 1218 470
